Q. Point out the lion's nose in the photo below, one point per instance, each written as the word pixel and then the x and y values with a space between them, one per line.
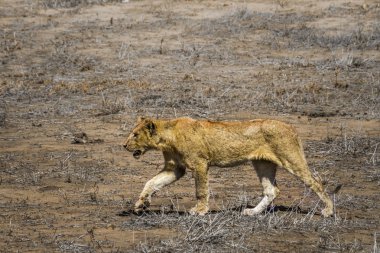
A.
pixel 125 145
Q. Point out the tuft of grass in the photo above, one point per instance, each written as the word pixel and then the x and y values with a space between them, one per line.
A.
pixel 124 51
pixel 334 243
pixel 195 233
pixel 65 60
pixel 22 172
pixel 241 13
pixel 112 106
pixel 307 37
pixel 3 114
pixel 351 143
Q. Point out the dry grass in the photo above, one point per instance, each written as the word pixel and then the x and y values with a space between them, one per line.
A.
pixel 307 37
pixel 112 107
pixel 3 114
pixel 228 231
pixel 72 3
pixel 91 68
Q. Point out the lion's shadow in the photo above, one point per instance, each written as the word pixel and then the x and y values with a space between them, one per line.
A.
pixel 271 209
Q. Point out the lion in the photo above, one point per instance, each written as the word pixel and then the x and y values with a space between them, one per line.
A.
pixel 196 145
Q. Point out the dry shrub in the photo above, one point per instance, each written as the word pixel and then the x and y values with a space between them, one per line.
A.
pixel 112 106
pixel 308 37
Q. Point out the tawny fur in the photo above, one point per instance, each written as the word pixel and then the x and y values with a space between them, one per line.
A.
pixel 197 144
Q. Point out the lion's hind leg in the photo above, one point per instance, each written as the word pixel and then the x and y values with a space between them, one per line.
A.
pixel 266 171
pixel 301 170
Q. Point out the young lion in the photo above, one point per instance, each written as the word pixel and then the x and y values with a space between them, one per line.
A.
pixel 198 144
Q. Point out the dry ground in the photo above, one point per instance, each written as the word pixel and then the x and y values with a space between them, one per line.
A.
pixel 74 66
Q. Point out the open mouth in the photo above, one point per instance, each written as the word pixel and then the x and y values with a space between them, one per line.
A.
pixel 137 154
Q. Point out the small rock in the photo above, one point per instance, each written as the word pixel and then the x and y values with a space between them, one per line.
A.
pixel 80 138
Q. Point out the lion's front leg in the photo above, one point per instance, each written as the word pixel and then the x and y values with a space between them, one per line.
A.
pixel 167 176
pixel 201 190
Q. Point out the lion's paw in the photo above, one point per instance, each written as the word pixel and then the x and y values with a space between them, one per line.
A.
pixel 327 212
pixel 141 205
pixel 251 212
pixel 198 211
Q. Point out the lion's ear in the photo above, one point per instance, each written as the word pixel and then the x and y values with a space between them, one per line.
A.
pixel 140 119
pixel 151 126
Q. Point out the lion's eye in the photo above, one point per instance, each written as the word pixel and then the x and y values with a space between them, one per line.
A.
pixel 135 135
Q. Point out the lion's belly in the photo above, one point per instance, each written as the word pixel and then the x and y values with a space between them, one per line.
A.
pixel 228 163
pixel 227 156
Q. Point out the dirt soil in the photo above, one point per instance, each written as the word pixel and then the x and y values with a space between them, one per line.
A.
pixel 75 75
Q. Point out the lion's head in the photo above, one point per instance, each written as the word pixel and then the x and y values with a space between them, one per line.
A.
pixel 142 137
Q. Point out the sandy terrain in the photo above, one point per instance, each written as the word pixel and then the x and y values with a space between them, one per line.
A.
pixel 69 67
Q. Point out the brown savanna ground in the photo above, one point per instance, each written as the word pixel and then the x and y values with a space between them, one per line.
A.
pixel 69 67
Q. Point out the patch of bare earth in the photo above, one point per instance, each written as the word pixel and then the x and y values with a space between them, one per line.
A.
pixel 75 74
